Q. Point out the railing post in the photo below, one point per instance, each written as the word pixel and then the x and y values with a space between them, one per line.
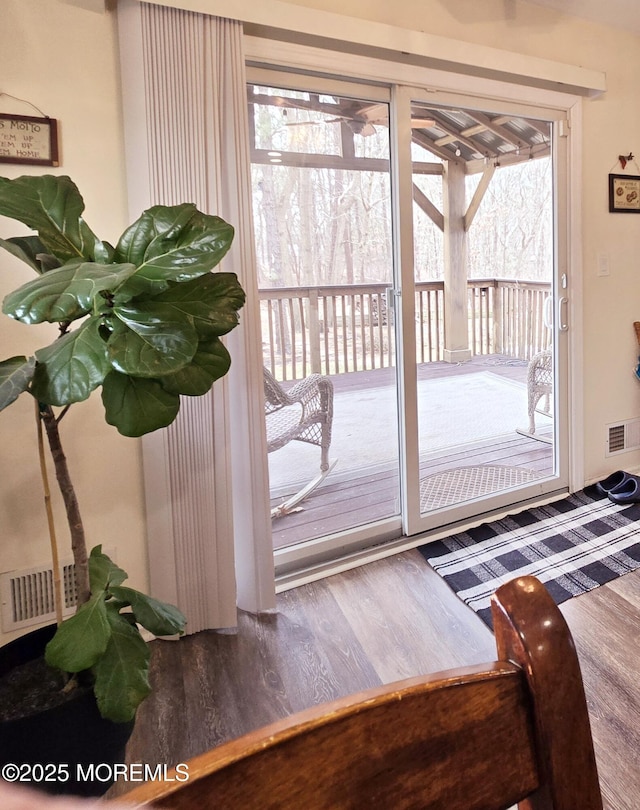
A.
pixel 497 318
pixel 314 332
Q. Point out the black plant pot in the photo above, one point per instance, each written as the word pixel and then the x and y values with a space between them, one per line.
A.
pixel 69 748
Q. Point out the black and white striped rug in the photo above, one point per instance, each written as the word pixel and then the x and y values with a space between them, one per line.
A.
pixel 572 546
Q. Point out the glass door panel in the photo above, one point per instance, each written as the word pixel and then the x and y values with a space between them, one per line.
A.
pixel 484 279
pixel 323 234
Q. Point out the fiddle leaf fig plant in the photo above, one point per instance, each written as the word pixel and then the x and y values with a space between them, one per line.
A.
pixel 142 321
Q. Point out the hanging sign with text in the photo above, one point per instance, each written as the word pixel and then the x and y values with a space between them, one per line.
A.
pixel 26 139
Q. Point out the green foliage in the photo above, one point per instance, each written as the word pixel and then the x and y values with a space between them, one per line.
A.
pixel 102 637
pixel 137 406
pixel 16 374
pixel 151 310
pixel 150 315
pixel 52 206
pixel 28 248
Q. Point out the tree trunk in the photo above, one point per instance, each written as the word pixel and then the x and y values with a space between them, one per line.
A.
pixel 78 543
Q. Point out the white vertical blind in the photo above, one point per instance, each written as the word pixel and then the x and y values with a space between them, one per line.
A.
pixel 228 118
pixel 186 141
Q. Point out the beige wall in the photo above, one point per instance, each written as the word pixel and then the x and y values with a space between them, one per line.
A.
pixel 64 59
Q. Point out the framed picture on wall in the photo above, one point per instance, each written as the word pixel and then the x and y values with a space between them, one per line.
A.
pixel 624 193
pixel 30 140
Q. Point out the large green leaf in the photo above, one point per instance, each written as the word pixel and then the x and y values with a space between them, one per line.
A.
pixel 73 366
pixel 28 249
pixel 172 243
pixel 66 293
pixel 81 640
pixel 52 206
pixel 156 229
pixel 145 343
pixel 16 374
pixel 158 617
pixel 136 406
pixel 210 302
pixel 122 673
pixel 210 363
pixel 103 572
pixel 104 253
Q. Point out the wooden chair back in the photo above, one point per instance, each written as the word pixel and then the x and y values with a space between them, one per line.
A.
pixel 476 738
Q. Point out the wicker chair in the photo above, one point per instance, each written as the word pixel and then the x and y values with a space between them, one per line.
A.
pixel 539 387
pixel 304 413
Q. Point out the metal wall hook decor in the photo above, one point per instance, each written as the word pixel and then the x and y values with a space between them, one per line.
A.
pixel 624 159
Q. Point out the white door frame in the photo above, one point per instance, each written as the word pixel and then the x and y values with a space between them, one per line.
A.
pixel 462 90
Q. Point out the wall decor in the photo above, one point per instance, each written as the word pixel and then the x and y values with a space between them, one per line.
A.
pixel 27 139
pixel 624 193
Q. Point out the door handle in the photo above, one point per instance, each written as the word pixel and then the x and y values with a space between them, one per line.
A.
pixel 563 304
pixel 547 312
pixel 391 294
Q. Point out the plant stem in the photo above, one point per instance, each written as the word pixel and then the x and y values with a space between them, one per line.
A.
pixel 78 543
pixel 53 540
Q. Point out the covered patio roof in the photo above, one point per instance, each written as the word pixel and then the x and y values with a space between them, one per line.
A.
pixel 468 137
pixel 478 139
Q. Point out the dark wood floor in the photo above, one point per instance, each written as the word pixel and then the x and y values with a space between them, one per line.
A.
pixel 343 502
pixel 387 620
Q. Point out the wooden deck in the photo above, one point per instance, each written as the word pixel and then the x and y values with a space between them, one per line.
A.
pixel 345 501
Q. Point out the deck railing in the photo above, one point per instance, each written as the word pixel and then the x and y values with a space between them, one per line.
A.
pixel 334 330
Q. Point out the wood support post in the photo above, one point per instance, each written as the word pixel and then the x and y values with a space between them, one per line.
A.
pixel 456 327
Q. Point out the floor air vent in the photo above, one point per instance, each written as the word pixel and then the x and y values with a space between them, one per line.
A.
pixel 623 436
pixel 28 596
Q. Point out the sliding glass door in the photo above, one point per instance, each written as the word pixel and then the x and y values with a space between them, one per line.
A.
pixel 413 301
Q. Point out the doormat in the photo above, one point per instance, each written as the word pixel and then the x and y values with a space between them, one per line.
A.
pixel 463 483
pixel 571 546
